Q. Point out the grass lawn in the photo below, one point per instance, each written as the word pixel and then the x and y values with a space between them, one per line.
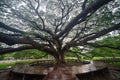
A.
pixel 4 65
pixel 103 58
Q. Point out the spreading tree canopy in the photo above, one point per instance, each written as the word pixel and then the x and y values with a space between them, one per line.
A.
pixel 55 26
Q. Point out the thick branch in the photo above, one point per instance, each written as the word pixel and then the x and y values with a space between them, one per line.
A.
pixel 4 26
pixel 103 32
pixel 42 47
pixel 84 4
pixel 10 40
pixel 9 50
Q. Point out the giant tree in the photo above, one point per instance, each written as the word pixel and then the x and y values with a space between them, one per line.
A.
pixel 54 26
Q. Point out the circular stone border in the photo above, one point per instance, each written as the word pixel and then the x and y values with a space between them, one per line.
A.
pixel 81 71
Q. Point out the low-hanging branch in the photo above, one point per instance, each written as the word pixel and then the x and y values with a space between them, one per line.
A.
pixel 10 50
pixel 4 26
pixel 11 40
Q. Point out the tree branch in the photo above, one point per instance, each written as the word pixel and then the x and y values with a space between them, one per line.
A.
pixel 36 11
pixel 10 40
pixel 4 26
pixel 92 37
pixel 9 50
pixel 84 4
pixel 103 32
pixel 95 6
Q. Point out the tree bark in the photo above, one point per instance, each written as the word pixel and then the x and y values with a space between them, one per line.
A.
pixel 60 59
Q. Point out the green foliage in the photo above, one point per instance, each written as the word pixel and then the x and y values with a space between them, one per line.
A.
pixel 4 65
pixel 114 63
pixel 77 54
pixel 28 54
pixel 1 57
pixel 107 52
pixel 69 54
pixel 25 54
pixel 104 52
pixel 111 41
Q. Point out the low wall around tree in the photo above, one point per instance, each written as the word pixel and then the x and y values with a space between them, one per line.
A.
pixel 93 71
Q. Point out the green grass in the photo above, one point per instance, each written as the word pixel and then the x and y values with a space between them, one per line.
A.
pixel 6 64
pixel 105 58
pixel 101 58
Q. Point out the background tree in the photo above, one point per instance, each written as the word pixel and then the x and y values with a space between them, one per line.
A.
pixel 55 26
pixel 108 47
pixel 29 54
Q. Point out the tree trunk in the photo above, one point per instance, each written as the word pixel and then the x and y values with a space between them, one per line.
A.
pixel 60 59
